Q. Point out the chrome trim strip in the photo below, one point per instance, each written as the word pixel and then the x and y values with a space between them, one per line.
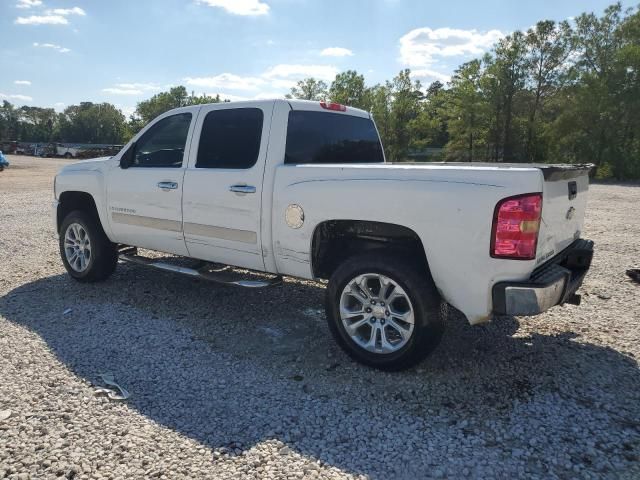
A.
pixel 235 235
pixel 149 222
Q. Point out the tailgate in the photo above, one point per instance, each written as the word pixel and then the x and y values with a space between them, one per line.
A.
pixel 564 201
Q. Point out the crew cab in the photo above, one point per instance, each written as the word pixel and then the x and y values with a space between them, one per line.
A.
pixel 302 189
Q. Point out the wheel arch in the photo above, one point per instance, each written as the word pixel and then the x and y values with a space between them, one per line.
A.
pixel 333 241
pixel 69 201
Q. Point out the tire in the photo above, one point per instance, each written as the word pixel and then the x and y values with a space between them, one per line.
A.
pixel 102 258
pixel 68 155
pixel 428 311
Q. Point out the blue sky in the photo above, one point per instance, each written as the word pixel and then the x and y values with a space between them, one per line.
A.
pixel 60 52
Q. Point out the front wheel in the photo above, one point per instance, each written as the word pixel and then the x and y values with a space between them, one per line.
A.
pixel 384 312
pixel 86 252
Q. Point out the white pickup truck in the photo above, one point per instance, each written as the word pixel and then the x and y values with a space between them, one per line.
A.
pixel 302 189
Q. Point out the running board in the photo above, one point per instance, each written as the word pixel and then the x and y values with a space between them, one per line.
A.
pixel 211 276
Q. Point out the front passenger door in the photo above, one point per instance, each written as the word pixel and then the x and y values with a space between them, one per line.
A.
pixel 145 199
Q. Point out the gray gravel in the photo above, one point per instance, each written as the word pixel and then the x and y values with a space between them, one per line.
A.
pixel 229 383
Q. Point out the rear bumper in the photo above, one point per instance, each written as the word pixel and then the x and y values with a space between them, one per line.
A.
pixel 553 283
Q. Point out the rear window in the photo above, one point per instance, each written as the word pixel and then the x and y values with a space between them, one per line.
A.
pixel 319 137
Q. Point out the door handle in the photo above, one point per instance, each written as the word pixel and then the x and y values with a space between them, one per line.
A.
pixel 168 185
pixel 242 189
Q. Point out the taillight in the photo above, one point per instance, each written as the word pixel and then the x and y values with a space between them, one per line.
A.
pixel 333 106
pixel 516 223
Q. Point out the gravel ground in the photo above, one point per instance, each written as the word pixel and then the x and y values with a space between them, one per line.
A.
pixel 228 383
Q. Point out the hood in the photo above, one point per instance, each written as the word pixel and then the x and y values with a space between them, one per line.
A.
pixel 86 165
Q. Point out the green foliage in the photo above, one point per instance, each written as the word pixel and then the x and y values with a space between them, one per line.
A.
pixel 349 89
pixel 92 123
pixel 309 89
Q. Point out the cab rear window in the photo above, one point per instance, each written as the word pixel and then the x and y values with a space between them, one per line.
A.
pixel 322 137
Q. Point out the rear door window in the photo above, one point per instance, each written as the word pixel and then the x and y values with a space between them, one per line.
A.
pixel 230 138
pixel 319 137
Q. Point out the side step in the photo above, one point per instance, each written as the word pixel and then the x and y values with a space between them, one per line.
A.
pixel 200 273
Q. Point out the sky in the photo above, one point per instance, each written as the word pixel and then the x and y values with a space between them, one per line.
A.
pixel 55 53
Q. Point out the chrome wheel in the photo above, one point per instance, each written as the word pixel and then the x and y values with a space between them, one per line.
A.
pixel 377 313
pixel 77 247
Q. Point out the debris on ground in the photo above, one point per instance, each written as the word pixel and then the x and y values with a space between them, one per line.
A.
pixel 634 274
pixel 115 392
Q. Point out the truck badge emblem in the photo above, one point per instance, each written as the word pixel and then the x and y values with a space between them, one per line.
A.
pixel 294 216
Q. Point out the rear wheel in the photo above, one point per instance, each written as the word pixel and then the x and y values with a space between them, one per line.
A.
pixel 86 252
pixel 384 312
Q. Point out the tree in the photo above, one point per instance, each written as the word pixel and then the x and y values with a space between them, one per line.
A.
pixel 381 104
pixel 92 123
pixel 467 111
pixel 405 95
pixel 549 46
pixel 309 89
pixel 162 102
pixel 36 124
pixel 9 121
pixel 508 67
pixel 348 88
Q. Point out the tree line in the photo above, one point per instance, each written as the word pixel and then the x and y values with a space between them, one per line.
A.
pixel 90 122
pixel 559 92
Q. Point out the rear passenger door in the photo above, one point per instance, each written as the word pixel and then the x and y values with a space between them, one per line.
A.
pixel 222 196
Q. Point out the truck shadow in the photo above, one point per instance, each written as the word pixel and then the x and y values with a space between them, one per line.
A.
pixel 200 359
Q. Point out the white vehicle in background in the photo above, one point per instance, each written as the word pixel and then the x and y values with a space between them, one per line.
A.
pixel 302 189
pixel 67 151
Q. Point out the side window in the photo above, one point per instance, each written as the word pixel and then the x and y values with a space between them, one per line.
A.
pixel 230 138
pixel 163 144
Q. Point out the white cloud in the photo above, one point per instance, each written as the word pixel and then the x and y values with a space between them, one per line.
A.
pixel 421 46
pixel 268 95
pixel 287 71
pixel 28 3
pixel 127 110
pixel 122 91
pixel 133 88
pixel 52 46
pixel 336 52
pixel 226 80
pixel 67 11
pixel 41 20
pixel 430 75
pixel 55 16
pixel 283 76
pixel 239 7
pixel 59 106
pixel 146 87
pixel 22 82
pixel 20 98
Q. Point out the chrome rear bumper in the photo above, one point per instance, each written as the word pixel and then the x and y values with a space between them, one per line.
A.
pixel 554 283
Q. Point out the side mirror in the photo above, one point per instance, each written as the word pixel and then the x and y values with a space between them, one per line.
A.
pixel 127 158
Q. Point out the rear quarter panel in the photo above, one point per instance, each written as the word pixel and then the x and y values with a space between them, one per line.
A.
pixel 450 209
